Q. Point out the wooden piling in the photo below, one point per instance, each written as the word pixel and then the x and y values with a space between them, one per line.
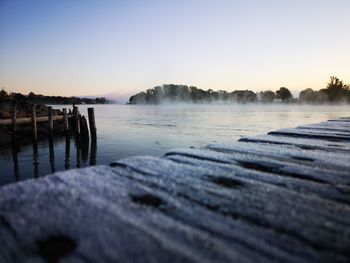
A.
pixel 92 123
pixel 34 127
pixel 65 120
pixel 50 119
pixel 76 120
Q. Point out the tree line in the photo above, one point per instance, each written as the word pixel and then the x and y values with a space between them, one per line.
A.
pixel 41 99
pixel 183 93
pixel 335 92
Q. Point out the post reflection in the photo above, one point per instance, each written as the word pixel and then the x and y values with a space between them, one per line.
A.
pixel 15 150
pixel 78 147
pixel 67 153
pixel 35 160
pixel 93 150
pixel 85 150
pixel 52 154
pixel 86 155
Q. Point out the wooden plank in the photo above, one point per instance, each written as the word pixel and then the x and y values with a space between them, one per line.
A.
pixel 4 122
pixel 251 202
pixel 300 142
pixel 313 134
pixel 278 165
pixel 314 158
pixel 325 191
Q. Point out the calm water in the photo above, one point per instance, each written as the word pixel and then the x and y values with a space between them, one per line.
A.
pixel 127 130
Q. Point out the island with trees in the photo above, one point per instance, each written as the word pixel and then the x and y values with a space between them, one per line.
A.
pixel 42 99
pixel 335 92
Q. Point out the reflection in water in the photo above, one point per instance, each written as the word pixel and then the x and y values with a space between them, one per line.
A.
pixel 35 160
pixel 85 149
pixel 52 154
pixel 67 152
pixel 93 150
pixel 77 145
pixel 15 150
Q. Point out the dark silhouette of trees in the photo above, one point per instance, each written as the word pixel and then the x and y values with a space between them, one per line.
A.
pixel 183 93
pixel 267 96
pixel 41 99
pixel 284 94
pixel 243 96
pixel 3 94
pixel 312 96
pixel 335 92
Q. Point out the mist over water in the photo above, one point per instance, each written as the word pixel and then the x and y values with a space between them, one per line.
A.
pixel 128 130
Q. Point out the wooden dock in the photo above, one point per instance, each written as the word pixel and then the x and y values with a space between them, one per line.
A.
pixel 282 197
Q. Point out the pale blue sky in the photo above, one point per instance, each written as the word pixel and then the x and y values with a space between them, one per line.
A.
pixel 122 47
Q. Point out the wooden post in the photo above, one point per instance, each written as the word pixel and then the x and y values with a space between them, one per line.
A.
pixel 14 118
pixel 65 120
pixel 92 124
pixel 50 119
pixel 76 120
pixel 34 128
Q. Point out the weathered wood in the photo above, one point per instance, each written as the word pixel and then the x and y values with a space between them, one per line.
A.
pixel 92 124
pixel 65 120
pixel 84 130
pixel 34 127
pixel 282 197
pixel 49 109
pixel 76 120
pixel 4 122
pixel 314 134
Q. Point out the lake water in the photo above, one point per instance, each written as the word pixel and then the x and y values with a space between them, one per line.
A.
pixel 128 130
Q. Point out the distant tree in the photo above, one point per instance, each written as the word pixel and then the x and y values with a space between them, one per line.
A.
pixel 267 96
pixel 312 96
pixel 284 94
pixel 101 100
pixel 308 96
pixel 243 96
pixel 223 95
pixel 139 98
pixel 337 91
pixel 3 94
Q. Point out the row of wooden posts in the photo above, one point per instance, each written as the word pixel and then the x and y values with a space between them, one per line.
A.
pixel 50 119
pixel 82 145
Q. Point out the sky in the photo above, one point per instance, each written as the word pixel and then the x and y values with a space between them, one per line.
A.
pixel 118 48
